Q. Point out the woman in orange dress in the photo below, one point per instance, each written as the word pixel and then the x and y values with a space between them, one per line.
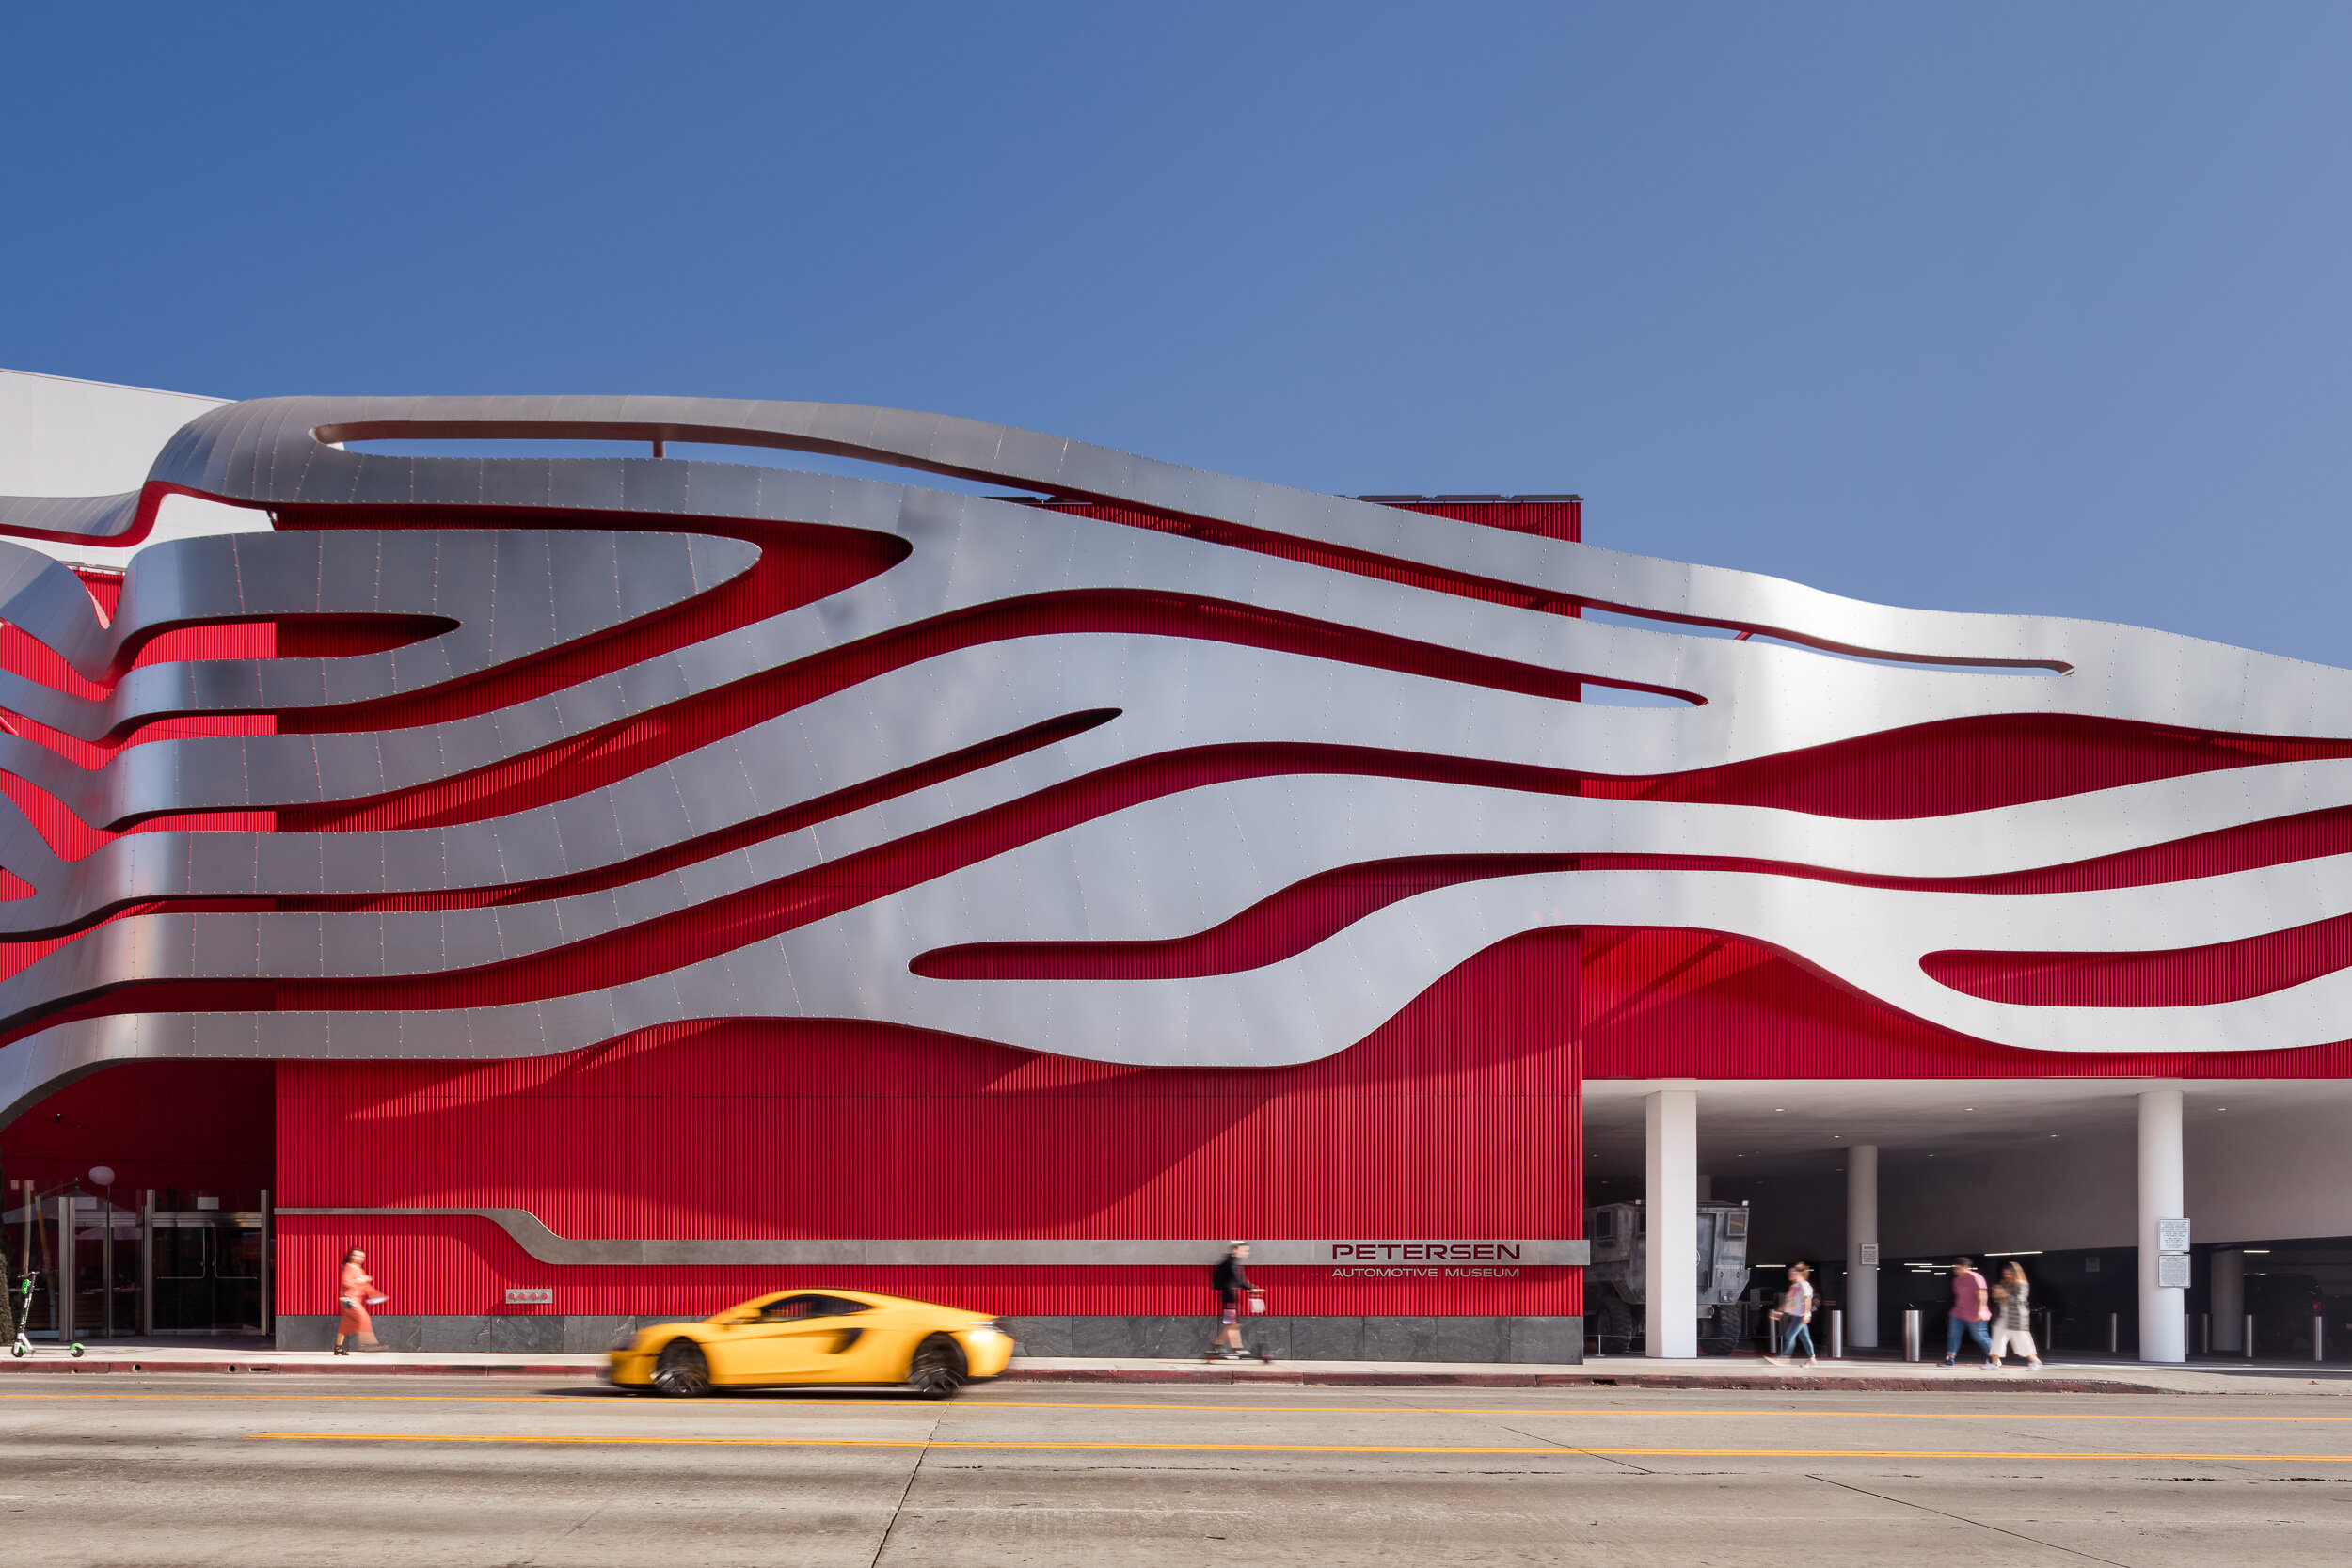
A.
pixel 356 1290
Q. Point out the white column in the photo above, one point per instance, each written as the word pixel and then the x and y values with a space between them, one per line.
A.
pixel 2229 1301
pixel 2163 1314
pixel 1862 1229
pixel 1670 1324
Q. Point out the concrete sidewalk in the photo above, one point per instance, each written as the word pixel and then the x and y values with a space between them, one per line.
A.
pixel 2072 1375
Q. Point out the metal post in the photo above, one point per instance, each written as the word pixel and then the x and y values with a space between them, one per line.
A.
pixel 147 1266
pixel 107 1264
pixel 2249 1336
pixel 1837 1334
pixel 266 1318
pixel 1910 1334
pixel 2225 1274
pixel 2204 1334
pixel 61 1287
pixel 2319 1337
pixel 2115 1333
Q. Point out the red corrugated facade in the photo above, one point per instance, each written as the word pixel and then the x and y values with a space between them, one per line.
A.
pixel 1458 1118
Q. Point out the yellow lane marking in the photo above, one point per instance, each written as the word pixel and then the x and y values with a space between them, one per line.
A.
pixel 765 1407
pixel 1276 1448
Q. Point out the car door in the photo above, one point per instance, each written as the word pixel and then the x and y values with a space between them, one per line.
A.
pixel 783 1343
pixel 831 1340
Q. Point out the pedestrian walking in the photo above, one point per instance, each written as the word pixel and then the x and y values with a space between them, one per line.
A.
pixel 2013 1317
pixel 1792 1320
pixel 1231 1282
pixel 1971 1309
pixel 357 1292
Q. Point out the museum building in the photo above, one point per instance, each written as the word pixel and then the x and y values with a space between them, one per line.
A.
pixel 613 856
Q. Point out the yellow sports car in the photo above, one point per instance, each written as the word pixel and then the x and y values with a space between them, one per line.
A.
pixel 816 1336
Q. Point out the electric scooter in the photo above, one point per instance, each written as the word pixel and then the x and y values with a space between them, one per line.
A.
pixel 23 1347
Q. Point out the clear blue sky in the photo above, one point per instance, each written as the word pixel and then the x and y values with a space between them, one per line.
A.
pixel 1997 307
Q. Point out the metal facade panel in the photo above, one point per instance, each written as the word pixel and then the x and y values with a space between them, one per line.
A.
pixel 1241 836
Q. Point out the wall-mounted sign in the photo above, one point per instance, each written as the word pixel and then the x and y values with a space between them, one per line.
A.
pixel 1869 1251
pixel 2172 1235
pixel 2172 1271
pixel 531 1298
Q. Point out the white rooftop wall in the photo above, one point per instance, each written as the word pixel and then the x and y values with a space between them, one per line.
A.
pixel 59 436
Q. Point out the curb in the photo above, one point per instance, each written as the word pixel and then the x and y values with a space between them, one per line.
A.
pixel 86 1368
pixel 1596 1380
pixel 1170 1376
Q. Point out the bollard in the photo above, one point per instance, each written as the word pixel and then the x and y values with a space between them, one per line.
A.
pixel 2115 1342
pixel 1910 1334
pixel 2204 1331
pixel 2319 1337
pixel 1837 1334
pixel 2249 1336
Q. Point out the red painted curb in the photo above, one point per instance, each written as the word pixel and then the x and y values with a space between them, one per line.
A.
pixel 1575 1380
pixel 86 1368
pixel 354 1367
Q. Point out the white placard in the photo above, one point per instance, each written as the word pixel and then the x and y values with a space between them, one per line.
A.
pixel 1869 1258
pixel 2172 1271
pixel 2172 1235
pixel 531 1298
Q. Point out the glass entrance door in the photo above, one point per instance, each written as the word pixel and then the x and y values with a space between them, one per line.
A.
pixel 209 1271
pixel 104 1270
pixel 32 1242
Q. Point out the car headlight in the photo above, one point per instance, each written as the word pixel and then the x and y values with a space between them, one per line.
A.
pixel 986 1328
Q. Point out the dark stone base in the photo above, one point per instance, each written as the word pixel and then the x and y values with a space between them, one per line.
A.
pixel 1516 1339
pixel 544 1335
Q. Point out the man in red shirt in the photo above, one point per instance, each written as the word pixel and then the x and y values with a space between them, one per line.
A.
pixel 1972 1310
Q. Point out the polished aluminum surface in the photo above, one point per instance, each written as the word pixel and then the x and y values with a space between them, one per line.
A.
pixel 1159 869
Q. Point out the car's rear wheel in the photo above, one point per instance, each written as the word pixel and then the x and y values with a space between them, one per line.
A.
pixel 681 1371
pixel 938 1368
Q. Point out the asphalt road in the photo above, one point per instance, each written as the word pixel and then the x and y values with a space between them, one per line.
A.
pixel 201 1470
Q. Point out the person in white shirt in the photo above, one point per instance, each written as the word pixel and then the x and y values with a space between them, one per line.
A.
pixel 2013 1317
pixel 1792 1319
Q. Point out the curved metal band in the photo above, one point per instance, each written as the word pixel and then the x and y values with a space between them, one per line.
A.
pixel 1154 869
pixel 534 1236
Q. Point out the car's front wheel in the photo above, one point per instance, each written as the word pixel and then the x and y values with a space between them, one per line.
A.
pixel 938 1368
pixel 681 1371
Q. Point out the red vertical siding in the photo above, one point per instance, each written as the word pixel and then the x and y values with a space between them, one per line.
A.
pixel 1457 1119
pixel 199 1127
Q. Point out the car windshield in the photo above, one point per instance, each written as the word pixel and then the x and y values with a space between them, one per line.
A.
pixel 791 1308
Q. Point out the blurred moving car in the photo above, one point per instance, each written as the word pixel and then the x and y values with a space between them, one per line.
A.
pixel 804 1337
